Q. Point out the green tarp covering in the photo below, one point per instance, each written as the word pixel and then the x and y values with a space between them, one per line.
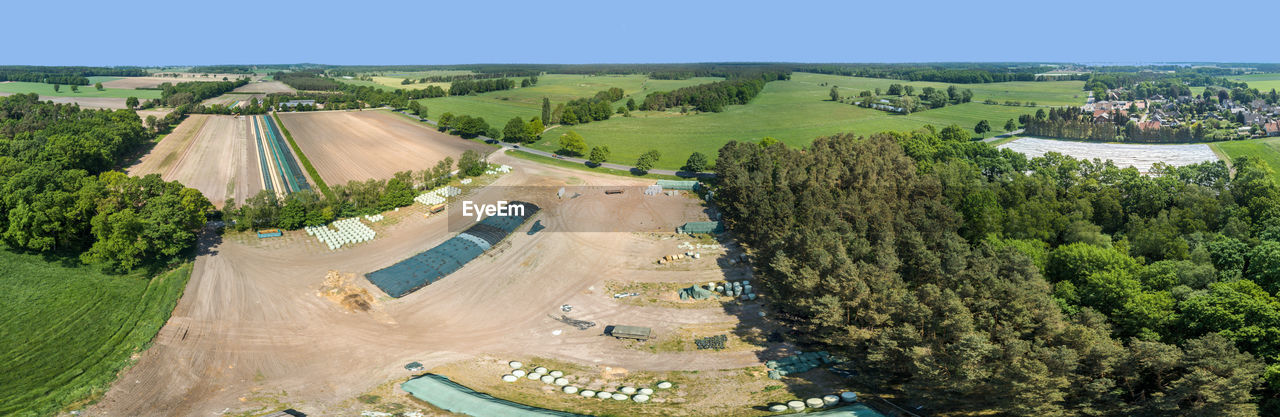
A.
pixel 448 395
pixel 701 227
pixel 678 185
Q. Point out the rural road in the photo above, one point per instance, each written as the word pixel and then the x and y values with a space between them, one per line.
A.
pixel 628 168
pixel 998 137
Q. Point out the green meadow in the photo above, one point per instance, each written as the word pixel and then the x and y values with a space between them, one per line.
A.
pixel 1262 82
pixel 1267 149
pixel 69 329
pixel 799 110
pixel 65 91
pixel 498 107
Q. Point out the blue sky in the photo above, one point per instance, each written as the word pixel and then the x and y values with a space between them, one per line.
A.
pixel 459 31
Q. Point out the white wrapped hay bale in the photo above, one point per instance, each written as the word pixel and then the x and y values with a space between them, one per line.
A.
pixel 849 396
pixel 796 405
pixel 621 397
pixel 587 393
pixel 778 408
pixel 640 398
pixel 540 370
pixel 556 374
pixel 664 385
pixel 604 395
pixel 646 391
pixel 535 376
pixel 510 378
pixel 519 373
pixel 547 379
pixel 570 389
pixel 627 390
pixel 830 399
pixel 814 402
pixel 561 381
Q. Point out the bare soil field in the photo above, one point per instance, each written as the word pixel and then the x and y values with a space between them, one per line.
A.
pixel 361 145
pixel 253 332
pixel 213 154
pixel 228 99
pixel 130 83
pixel 265 87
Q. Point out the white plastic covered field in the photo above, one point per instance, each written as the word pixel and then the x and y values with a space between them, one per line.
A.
pixel 1140 156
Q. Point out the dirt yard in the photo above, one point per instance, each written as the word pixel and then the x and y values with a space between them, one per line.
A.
pixel 265 87
pixel 375 144
pixel 213 154
pixel 254 332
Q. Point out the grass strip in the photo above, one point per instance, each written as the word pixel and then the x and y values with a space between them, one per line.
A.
pixel 583 167
pixel 306 163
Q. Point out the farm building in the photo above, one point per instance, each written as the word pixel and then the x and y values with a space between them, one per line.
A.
pixel 701 227
pixel 296 103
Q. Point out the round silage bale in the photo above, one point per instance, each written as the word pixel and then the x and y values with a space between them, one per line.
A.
pixel 540 370
pixel 570 389
pixel 535 376
pixel 640 398
pixel 849 396
pixel 547 379
pixel 796 405
pixel 587 393
pixel 620 397
pixel 561 381
pixel 646 391
pixel 604 394
pixel 510 378
pixel 556 374
pixel 830 399
pixel 519 373
pixel 627 390
pixel 778 408
pixel 664 385
pixel 814 402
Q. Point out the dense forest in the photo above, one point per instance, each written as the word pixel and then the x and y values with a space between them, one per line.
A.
pixel 973 279
pixel 59 194
pixel 307 80
pixel 713 97
pixel 588 109
pixel 64 75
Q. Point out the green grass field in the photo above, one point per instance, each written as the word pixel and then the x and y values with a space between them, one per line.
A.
pixel 1262 82
pixel 85 91
pixel 1267 149
pixel 584 167
pixel 67 330
pixel 500 106
pixel 796 112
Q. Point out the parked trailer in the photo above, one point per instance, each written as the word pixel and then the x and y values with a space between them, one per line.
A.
pixel 613 191
pixel 436 208
pixel 629 332
pixel 270 233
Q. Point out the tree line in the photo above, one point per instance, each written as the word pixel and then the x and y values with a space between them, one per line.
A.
pixel 356 198
pixel 467 87
pixel 64 75
pixel 959 73
pixel 61 196
pixel 713 97
pixel 587 109
pixel 973 279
